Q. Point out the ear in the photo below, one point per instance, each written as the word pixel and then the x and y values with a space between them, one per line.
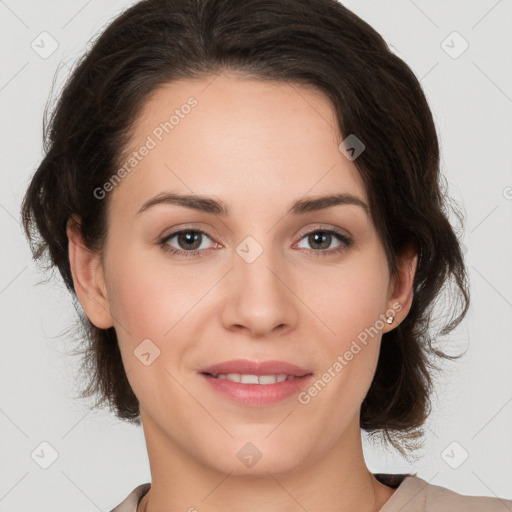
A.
pixel 401 286
pixel 88 277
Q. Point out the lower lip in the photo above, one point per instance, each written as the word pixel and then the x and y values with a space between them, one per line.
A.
pixel 258 394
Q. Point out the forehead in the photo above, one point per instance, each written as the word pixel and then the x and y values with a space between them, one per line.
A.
pixel 247 141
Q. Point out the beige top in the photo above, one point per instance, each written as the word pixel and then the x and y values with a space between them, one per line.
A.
pixel 412 494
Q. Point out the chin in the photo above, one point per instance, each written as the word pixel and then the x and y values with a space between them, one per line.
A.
pixel 256 458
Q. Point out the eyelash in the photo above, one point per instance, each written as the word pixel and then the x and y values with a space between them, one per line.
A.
pixel 346 242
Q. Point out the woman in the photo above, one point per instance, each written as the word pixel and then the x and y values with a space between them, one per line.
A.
pixel 244 197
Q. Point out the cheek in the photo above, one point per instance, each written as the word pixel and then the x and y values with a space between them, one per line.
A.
pixel 148 295
pixel 351 298
pixel 148 302
pixel 351 306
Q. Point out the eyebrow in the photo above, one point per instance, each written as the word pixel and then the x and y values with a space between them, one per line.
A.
pixel 218 207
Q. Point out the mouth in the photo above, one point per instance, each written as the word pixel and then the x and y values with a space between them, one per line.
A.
pixel 253 379
pixel 253 383
pixel 250 370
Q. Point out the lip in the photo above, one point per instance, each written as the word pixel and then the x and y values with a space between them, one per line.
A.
pixel 256 394
pixel 270 367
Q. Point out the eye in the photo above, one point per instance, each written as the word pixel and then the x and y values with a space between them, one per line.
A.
pixel 189 239
pixel 321 239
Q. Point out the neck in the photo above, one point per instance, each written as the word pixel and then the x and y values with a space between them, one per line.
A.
pixel 337 480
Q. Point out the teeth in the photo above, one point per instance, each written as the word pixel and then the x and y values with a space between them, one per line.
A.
pixel 254 379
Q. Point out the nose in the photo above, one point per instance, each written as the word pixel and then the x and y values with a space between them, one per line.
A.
pixel 259 296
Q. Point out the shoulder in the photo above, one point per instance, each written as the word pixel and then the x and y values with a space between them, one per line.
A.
pixel 421 496
pixel 438 498
pixel 129 504
pixel 413 492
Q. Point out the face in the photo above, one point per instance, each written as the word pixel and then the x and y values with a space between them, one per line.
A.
pixel 262 281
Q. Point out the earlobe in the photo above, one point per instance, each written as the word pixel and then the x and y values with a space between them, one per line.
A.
pixel 402 285
pixel 88 277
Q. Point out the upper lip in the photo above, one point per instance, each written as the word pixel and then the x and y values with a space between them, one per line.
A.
pixel 247 367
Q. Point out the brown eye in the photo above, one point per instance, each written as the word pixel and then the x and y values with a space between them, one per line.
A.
pixel 188 241
pixel 321 240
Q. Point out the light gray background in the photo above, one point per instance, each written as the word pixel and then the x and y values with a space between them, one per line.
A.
pixel 100 460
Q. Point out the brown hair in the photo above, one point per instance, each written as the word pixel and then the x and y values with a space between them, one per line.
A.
pixel 315 42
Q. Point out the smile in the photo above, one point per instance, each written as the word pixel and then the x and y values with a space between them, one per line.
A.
pixel 253 379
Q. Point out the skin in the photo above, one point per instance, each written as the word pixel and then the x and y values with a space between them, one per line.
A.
pixel 257 146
